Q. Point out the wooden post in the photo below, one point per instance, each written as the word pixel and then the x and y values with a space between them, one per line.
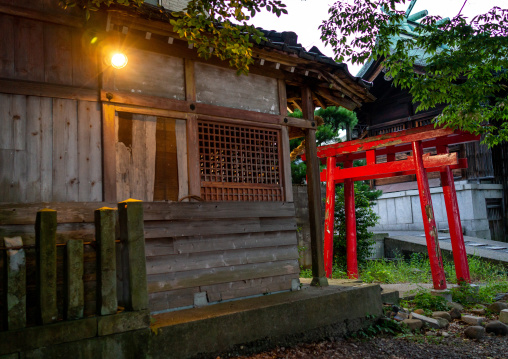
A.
pixel 453 214
pixel 329 215
pixel 74 289
pixel 15 284
pixel 109 152
pixel 132 234
pixel 45 241
pixel 105 234
pixel 429 221
pixel 314 194
pixel 349 203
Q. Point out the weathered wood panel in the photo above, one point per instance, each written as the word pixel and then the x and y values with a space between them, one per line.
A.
pixel 57 54
pixel 7 46
pixel 83 211
pixel 28 50
pixel 253 92
pixel 202 277
pixel 135 161
pixel 65 150
pixel 181 153
pixel 89 151
pixel 152 74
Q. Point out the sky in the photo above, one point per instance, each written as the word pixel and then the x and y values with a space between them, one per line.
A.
pixel 305 16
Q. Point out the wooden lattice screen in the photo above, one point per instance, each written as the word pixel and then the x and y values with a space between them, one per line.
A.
pixel 239 163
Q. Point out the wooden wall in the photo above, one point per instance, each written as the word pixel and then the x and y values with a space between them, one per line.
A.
pixel 253 92
pixel 226 249
pixel 36 51
pixel 50 149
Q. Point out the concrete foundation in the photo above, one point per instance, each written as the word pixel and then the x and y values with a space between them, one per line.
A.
pixel 230 328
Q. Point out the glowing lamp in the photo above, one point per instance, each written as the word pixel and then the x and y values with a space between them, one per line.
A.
pixel 119 60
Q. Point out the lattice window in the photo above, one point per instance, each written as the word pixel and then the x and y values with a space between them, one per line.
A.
pixel 239 163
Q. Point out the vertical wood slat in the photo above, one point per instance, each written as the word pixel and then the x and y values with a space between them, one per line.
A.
pixel 89 152
pixel 285 148
pixel 109 152
pixel 314 194
pixel 193 156
pixel 74 288
pixel 45 233
pixel 105 234
pixel 132 234
pixel 19 170
pixel 7 48
pixel 57 54
pixel 15 283
pixel 181 152
pixel 33 149
pixel 65 151
pixel 29 50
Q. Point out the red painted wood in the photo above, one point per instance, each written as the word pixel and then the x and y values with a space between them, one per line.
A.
pixel 456 138
pixel 379 169
pixel 329 216
pixel 462 164
pixel 454 225
pixel 429 222
pixel 349 204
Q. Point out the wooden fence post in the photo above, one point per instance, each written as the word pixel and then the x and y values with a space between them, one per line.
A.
pixel 15 283
pixel 132 235
pixel 45 235
pixel 74 289
pixel 105 234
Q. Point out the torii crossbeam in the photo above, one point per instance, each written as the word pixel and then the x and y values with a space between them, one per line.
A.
pixel 414 140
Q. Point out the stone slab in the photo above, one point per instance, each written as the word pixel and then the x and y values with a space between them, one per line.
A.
pixel 46 335
pixel 473 320
pixel 122 322
pixel 15 277
pixel 503 316
pixel 390 296
pixel 433 323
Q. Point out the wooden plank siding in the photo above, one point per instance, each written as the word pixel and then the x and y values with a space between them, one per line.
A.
pixel 50 150
pixel 47 53
pixel 226 249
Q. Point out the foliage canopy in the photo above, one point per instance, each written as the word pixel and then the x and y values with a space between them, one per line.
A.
pixel 459 62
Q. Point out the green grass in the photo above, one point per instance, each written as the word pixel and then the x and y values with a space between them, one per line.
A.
pixel 416 269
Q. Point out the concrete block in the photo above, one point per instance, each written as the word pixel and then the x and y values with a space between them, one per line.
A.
pixel 132 233
pixel 74 289
pixel 391 211
pixel 123 322
pixel 45 241
pixel 47 335
pixel 503 316
pixel 390 296
pixel 295 284
pixel 417 210
pixel 105 234
pixel 200 299
pixel 403 210
pixel 383 211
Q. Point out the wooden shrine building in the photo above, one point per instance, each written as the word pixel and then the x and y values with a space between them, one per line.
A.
pixel 206 151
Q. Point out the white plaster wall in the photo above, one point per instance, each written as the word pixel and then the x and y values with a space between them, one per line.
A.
pixel 401 211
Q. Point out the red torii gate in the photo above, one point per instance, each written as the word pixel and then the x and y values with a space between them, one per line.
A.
pixel 414 140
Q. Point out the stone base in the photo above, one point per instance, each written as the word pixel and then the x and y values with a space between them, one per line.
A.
pixel 446 294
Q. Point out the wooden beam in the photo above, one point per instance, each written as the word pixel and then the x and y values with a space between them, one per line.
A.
pixel 67 20
pixel 193 156
pixel 286 165
pixel 18 87
pixel 339 101
pixel 109 152
pixel 314 194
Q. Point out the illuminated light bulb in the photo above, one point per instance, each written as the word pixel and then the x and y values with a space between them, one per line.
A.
pixel 119 60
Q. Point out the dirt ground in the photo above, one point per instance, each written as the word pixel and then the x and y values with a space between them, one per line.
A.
pixel 422 346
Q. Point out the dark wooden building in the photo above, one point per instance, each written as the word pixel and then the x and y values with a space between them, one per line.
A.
pixel 207 151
